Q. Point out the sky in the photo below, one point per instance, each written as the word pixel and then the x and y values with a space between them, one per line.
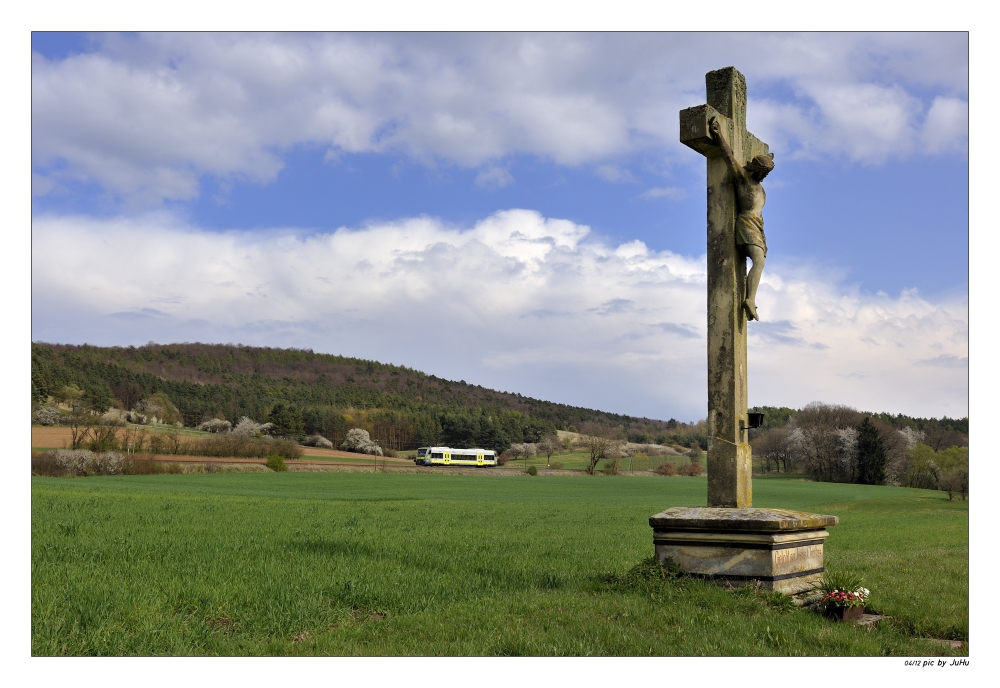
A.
pixel 512 210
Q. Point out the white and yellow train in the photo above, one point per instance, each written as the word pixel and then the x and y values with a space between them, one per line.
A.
pixel 446 456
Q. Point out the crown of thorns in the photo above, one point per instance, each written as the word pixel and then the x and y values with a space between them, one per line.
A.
pixel 764 162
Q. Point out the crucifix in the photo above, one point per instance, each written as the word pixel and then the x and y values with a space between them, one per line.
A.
pixel 737 162
pixel 730 540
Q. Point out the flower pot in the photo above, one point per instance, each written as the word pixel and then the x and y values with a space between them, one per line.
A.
pixel 844 613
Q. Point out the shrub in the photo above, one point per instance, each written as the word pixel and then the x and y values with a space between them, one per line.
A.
pixel 692 469
pixel 83 462
pixel 165 442
pixel 639 462
pixel 319 441
pixel 358 440
pixel 216 425
pixel 103 438
pixel 955 481
pixel 503 458
pixel 45 464
pixel 47 416
pixel 276 463
pixel 666 468
pixel 173 442
pixel 243 446
pixel 114 416
pixel 556 465
pixel 156 443
pixel 144 467
pixel 657 450
pixel 532 470
pixel 249 428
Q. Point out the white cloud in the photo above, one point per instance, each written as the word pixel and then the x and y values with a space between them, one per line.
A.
pixel 494 178
pixel 862 123
pixel 946 126
pixel 516 302
pixel 671 192
pixel 614 173
pixel 145 117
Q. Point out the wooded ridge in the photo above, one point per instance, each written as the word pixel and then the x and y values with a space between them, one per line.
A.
pixel 329 393
pixel 231 381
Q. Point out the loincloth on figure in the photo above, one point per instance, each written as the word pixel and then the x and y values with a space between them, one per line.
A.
pixel 750 231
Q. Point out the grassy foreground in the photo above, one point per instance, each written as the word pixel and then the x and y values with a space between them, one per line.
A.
pixel 346 563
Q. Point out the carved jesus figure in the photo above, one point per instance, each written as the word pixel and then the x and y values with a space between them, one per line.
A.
pixel 750 199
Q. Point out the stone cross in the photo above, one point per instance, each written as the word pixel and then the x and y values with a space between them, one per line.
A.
pixel 729 457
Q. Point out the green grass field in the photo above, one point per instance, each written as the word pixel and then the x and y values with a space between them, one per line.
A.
pixel 577 460
pixel 385 564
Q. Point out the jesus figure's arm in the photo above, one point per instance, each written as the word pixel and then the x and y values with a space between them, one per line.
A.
pixel 727 152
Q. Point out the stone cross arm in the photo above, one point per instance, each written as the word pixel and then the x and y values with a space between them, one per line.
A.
pixel 695 133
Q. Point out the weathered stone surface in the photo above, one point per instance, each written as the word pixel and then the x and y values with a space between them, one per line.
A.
pixel 730 540
pixel 694 129
pixel 750 519
pixel 729 455
pixel 780 549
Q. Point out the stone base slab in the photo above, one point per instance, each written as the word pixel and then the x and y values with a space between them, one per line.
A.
pixel 776 548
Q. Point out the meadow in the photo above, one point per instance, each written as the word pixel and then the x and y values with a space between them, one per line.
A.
pixel 404 564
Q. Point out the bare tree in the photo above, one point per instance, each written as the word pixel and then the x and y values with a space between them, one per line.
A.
pixel 79 422
pixel 938 438
pixel 955 481
pixel 616 451
pixel 525 449
pixel 173 442
pixel 135 439
pixel 603 443
pixel 771 446
pixel 549 445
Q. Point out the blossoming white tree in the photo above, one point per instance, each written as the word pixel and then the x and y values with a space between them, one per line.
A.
pixel 360 441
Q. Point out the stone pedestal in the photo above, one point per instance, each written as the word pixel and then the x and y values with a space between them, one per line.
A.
pixel 779 548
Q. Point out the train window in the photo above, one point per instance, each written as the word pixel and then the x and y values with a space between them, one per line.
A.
pixel 437 455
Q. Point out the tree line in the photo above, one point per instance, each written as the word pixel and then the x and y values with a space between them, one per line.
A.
pixel 302 394
pixel 836 443
pixel 207 380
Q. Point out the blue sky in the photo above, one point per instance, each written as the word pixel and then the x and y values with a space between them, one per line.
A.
pixel 296 190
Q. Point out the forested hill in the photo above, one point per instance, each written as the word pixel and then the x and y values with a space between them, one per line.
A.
pixel 209 380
